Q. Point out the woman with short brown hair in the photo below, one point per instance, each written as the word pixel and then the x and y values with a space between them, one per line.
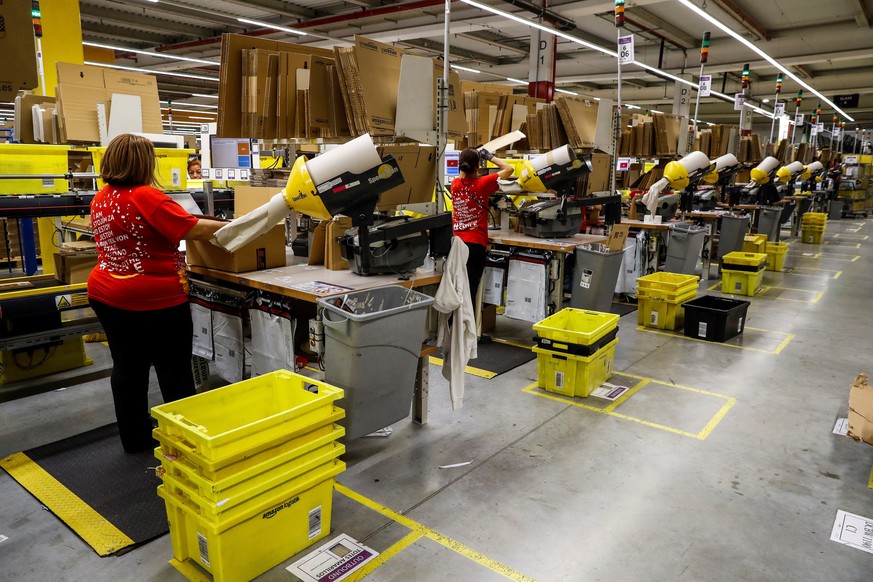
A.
pixel 139 288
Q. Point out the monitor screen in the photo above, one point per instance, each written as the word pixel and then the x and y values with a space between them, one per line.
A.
pixel 229 152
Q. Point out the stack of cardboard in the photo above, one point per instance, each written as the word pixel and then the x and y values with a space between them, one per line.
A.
pixel 10 243
pixel 74 261
pixel 805 153
pixel 579 117
pixel 715 141
pixel 82 87
pixel 666 133
pixel 512 111
pixel 24 119
pixel 645 181
pixel 544 129
pixel 468 86
pixel 750 149
pixel 481 111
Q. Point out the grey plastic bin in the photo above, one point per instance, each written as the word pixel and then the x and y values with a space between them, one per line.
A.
pixel 372 353
pixel 733 231
pixel 769 222
pixel 595 276
pixel 835 209
pixel 683 251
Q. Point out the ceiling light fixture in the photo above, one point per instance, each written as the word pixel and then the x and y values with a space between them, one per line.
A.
pixel 468 69
pixel 171 74
pixel 192 105
pixel 706 16
pixel 517 81
pixel 204 95
pixel 149 53
pixel 565 91
pixel 272 26
pixel 175 110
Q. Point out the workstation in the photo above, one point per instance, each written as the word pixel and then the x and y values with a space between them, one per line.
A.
pixel 447 272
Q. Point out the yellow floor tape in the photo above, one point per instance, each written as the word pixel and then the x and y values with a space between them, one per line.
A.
pixel 469 369
pixel 92 527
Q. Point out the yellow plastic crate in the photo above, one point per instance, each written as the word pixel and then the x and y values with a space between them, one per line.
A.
pixel 574 375
pixel 659 313
pixel 246 417
pixel 741 282
pixel 814 218
pixel 257 469
pixel 777 252
pixel 811 236
pixel 31 160
pixel 171 169
pixel 755 243
pixel 744 259
pixel 576 326
pixel 666 285
pixel 265 532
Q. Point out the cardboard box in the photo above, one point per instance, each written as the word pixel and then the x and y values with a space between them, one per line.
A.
pixel 74 267
pixel 333 258
pixel 579 116
pixel 143 86
pixel 598 179
pixel 489 318
pixel 861 410
pixel 248 198
pixel 418 165
pixel 18 49
pixel 265 252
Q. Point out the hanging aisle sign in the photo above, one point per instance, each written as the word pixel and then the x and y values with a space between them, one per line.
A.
pixel 798 119
pixel 739 101
pixel 626 49
pixel 780 110
pixel 705 85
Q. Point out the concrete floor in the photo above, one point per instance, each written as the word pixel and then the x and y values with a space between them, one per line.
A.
pixel 556 491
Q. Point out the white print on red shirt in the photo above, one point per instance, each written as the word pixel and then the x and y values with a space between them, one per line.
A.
pixel 465 212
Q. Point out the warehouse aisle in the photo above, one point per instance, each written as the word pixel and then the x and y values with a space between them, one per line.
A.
pixel 721 465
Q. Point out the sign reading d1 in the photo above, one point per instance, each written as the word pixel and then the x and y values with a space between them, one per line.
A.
pixel 847 101
pixel 626 49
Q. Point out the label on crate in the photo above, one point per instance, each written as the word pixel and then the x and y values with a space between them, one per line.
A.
pixel 48 183
pixel 738 287
pixel 701 329
pixel 559 379
pixel 585 279
pixel 654 318
pixel 609 392
pixel 203 546
pixel 314 522
pixel 334 561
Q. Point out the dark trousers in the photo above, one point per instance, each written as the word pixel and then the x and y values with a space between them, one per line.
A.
pixel 475 267
pixel 139 340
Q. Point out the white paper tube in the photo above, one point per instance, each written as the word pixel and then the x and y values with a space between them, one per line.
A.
pixel 695 161
pixel 561 156
pixel 356 156
pixel 244 229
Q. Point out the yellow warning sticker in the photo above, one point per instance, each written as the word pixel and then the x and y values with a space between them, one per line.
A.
pixel 79 300
pixel 63 301
pixel 71 301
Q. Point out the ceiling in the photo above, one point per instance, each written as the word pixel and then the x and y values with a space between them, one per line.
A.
pixel 828 44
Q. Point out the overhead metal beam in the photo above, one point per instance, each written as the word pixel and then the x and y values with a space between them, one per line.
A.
pixel 661 26
pixel 280 8
pixel 502 44
pixel 108 32
pixel 737 14
pixel 437 47
pixel 144 22
pixel 865 11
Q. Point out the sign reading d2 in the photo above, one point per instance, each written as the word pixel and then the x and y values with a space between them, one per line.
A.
pixel 626 49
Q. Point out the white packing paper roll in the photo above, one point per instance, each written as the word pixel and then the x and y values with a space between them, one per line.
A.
pixel 726 161
pixel 795 167
pixel 695 161
pixel 768 164
pixel 245 229
pixel 356 156
pixel 560 156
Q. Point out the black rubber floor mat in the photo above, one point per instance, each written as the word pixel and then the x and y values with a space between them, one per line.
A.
pixel 622 309
pixel 106 496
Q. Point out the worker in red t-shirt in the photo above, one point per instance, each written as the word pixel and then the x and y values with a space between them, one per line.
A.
pixel 470 195
pixel 139 288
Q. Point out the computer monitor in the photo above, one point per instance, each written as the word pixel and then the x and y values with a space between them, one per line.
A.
pixel 229 152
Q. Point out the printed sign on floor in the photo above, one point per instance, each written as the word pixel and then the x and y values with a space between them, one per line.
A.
pixel 333 561
pixel 853 530
pixel 842 426
pixel 609 392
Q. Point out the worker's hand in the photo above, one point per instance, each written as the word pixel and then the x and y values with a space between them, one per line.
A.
pixel 485 155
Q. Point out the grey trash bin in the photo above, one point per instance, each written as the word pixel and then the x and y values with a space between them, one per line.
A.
pixel 769 222
pixel 683 251
pixel 835 209
pixel 733 231
pixel 372 344
pixel 595 276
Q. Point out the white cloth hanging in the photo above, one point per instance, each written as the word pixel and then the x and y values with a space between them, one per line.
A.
pixel 458 340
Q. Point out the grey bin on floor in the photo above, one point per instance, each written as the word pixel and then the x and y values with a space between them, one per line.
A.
pixel 683 251
pixel 733 231
pixel 769 222
pixel 595 276
pixel 372 353
pixel 835 209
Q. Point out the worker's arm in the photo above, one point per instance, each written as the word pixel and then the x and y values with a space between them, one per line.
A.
pixel 505 170
pixel 203 229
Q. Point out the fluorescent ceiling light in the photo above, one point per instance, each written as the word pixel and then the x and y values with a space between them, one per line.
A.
pixel 204 95
pixel 192 105
pixel 565 91
pixel 468 69
pixel 272 26
pixel 189 111
pixel 765 101
pixel 517 81
pixel 203 118
pixel 171 74
pixel 706 16
pixel 150 53
pixel 629 106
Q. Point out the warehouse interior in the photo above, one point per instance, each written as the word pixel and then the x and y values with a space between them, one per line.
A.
pixel 663 375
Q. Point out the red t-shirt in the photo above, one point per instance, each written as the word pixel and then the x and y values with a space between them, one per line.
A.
pixel 139 266
pixel 470 207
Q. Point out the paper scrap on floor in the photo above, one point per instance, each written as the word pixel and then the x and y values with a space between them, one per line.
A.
pixel 609 392
pixel 853 530
pixel 3 538
pixel 841 427
pixel 333 561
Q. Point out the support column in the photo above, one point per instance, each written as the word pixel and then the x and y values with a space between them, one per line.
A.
pixel 541 77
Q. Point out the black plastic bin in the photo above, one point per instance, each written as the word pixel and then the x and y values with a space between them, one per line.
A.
pixel 715 319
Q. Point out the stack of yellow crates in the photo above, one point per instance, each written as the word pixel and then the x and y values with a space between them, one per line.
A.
pixel 812 227
pixel 575 350
pixel 755 243
pixel 248 473
pixel 660 297
pixel 776 254
pixel 742 273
